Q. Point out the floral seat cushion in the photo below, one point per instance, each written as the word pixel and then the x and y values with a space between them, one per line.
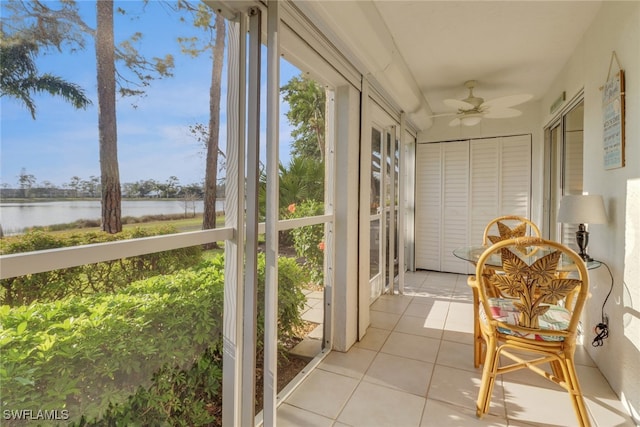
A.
pixel 556 318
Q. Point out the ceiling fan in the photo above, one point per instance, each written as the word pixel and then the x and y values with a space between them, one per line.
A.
pixel 472 109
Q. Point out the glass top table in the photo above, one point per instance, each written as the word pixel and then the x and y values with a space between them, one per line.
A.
pixel 473 253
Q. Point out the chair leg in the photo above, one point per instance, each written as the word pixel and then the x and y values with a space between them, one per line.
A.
pixel 556 369
pixel 489 373
pixel 575 392
pixel 478 340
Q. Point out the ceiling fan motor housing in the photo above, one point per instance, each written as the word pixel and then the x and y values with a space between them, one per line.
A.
pixel 473 100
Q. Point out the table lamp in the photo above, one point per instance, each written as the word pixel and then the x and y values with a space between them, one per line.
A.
pixel 582 209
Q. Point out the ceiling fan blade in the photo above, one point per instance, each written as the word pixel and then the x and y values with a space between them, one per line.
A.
pixel 444 114
pixel 455 122
pixel 507 101
pixel 502 113
pixel 458 105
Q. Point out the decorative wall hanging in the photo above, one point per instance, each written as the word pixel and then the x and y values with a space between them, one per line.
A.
pixel 613 117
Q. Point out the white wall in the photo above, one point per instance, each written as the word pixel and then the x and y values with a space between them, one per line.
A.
pixel 616 28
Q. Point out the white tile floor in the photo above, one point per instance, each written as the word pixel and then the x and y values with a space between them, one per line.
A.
pixel 414 368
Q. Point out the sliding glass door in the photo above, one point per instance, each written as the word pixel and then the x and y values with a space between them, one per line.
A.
pixel 376 232
pixel 383 214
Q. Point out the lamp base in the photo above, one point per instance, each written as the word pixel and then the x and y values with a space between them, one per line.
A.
pixel 585 257
pixel 582 239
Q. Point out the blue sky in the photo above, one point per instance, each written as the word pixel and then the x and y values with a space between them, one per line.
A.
pixel 153 139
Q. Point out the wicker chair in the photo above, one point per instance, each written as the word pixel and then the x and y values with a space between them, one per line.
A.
pixel 518 229
pixel 507 226
pixel 532 325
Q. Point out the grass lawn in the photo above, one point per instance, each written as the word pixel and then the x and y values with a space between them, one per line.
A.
pixel 181 224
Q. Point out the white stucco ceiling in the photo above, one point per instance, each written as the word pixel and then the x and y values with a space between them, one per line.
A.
pixel 509 47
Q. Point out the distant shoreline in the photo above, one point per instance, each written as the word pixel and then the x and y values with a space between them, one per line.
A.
pixel 80 199
pixel 55 214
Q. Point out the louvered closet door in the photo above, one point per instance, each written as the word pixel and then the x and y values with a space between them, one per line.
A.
pixel 460 187
pixel 428 204
pixel 515 179
pixel 500 180
pixel 455 204
pixel 484 193
pixel 442 183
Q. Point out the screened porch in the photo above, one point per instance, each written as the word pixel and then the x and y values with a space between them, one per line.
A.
pixel 393 344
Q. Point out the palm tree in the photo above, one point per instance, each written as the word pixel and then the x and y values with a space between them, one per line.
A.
pixel 19 76
pixel 302 180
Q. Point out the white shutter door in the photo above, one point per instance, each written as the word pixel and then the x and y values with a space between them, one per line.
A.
pixel 515 182
pixel 484 193
pixel 428 206
pixel 500 182
pixel 460 187
pixel 455 204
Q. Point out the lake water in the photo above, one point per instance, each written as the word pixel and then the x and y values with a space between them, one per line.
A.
pixel 15 217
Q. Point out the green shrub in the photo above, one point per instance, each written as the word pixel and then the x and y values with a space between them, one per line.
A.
pixel 176 397
pixel 106 276
pixel 189 397
pixel 81 353
pixel 291 299
pixel 149 354
pixel 309 241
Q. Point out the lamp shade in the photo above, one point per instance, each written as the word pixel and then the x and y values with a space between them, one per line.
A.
pixel 583 209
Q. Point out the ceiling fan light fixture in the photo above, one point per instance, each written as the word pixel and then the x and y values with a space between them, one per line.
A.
pixel 471 119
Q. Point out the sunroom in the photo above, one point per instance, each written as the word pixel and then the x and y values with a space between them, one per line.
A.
pixel 408 180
